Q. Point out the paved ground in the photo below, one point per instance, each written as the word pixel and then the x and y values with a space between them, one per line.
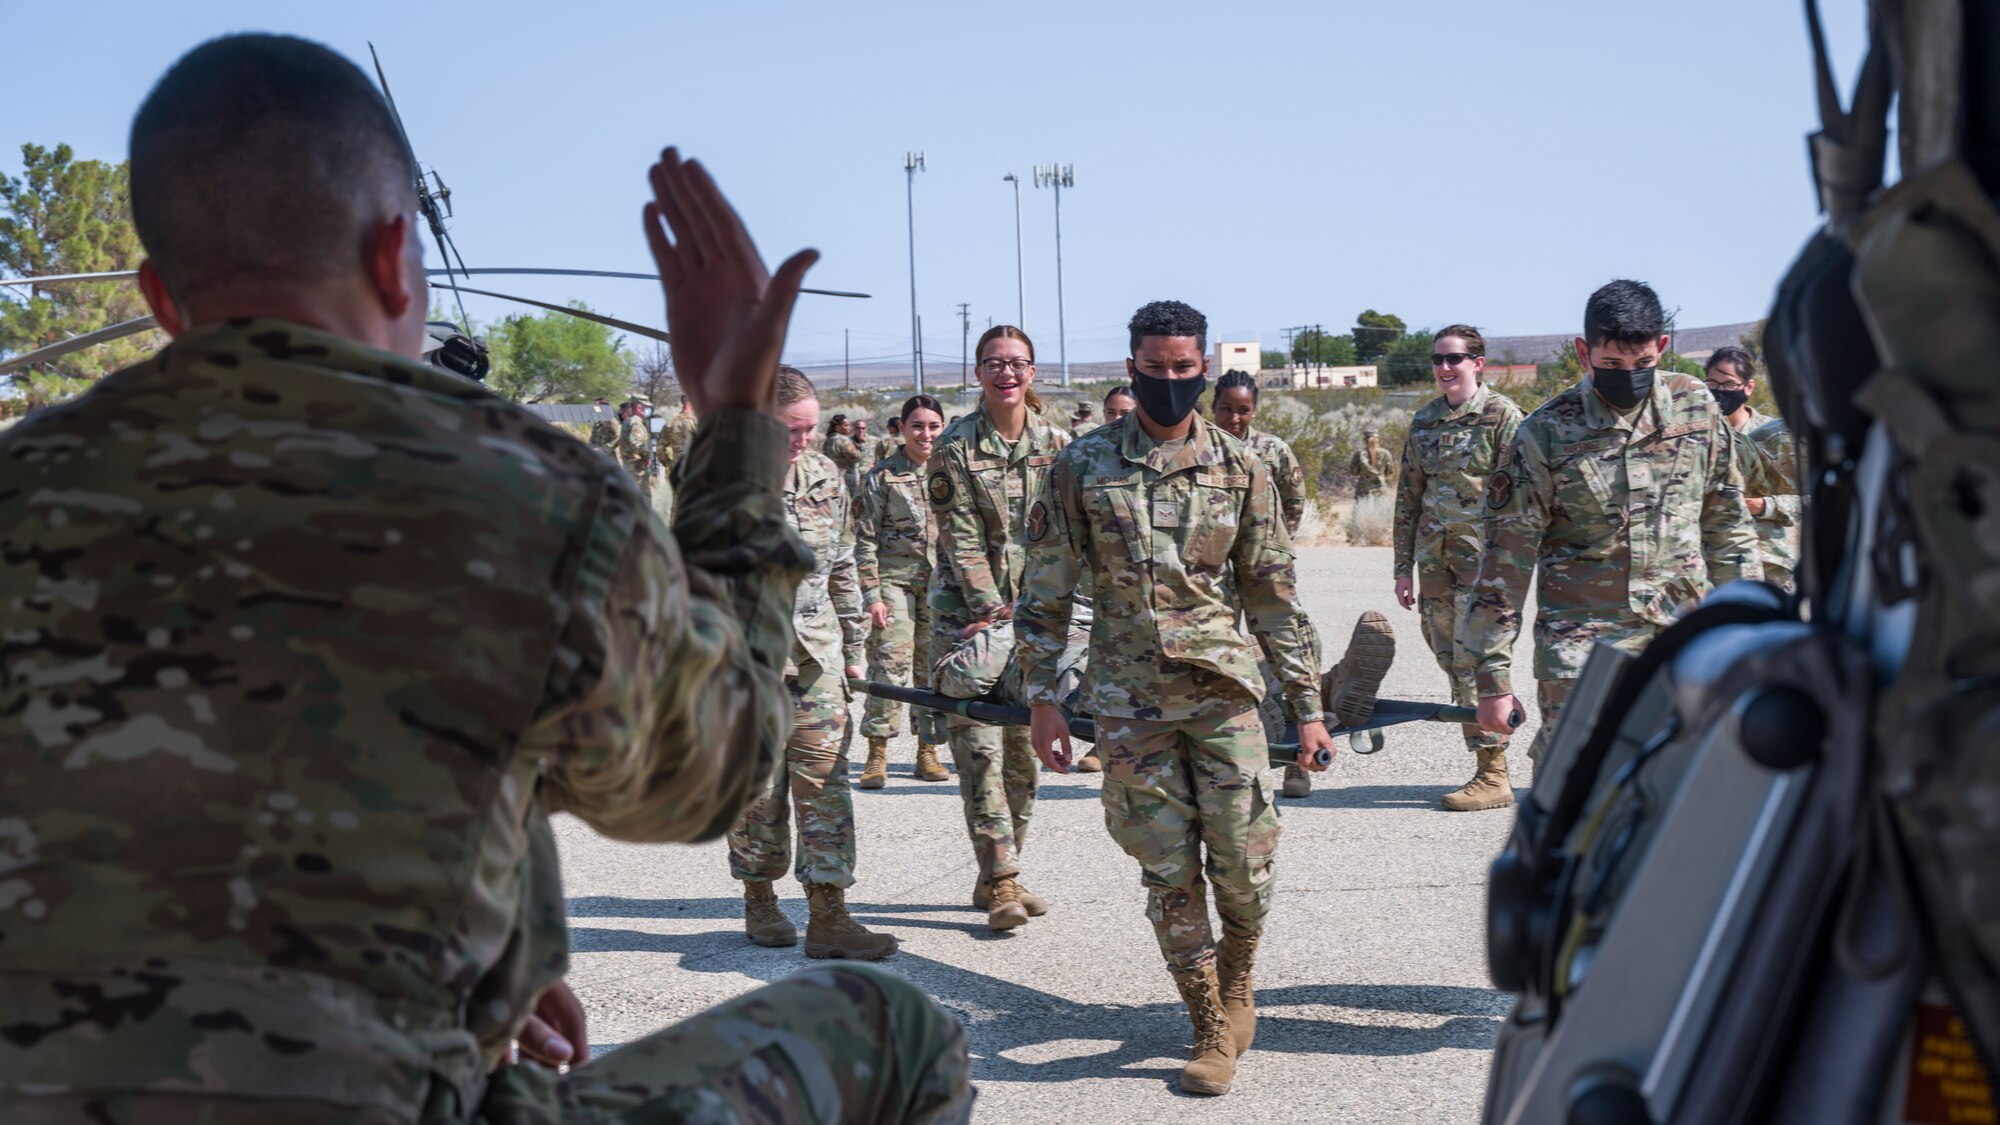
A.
pixel 1372 983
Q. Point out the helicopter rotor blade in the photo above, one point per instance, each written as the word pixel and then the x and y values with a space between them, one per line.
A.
pixel 610 321
pixel 76 344
pixel 619 273
pixel 65 278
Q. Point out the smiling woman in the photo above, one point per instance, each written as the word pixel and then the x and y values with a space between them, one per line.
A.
pixel 985 473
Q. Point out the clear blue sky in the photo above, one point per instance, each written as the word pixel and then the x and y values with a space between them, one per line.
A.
pixel 1271 163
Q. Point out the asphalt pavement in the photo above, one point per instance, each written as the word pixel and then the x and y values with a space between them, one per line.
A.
pixel 1371 983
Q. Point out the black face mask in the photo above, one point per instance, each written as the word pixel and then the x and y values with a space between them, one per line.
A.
pixel 1729 402
pixel 1623 387
pixel 1167 401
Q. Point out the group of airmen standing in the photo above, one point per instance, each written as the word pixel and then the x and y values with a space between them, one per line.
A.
pixel 1631 494
pixel 306 652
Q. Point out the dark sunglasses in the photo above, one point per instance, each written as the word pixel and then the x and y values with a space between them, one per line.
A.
pixel 1450 359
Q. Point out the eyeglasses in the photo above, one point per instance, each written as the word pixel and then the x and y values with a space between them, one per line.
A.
pixel 1725 388
pixel 996 366
pixel 1451 359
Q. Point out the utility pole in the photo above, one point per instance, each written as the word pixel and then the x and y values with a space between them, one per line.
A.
pixel 913 162
pixel 846 372
pixel 1020 271
pixel 964 344
pixel 1059 177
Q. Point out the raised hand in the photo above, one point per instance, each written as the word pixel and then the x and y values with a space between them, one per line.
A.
pixel 726 315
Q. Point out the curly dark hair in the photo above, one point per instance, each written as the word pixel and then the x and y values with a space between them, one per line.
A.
pixel 1169 318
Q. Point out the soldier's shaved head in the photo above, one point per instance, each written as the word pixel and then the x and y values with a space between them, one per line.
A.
pixel 264 158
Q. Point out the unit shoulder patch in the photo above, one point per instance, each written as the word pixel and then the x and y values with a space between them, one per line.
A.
pixel 1038 521
pixel 1499 490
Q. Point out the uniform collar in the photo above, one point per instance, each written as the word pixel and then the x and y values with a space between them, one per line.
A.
pixel 1138 447
pixel 1473 405
pixel 991 442
pixel 1598 415
pixel 268 339
pixel 1756 419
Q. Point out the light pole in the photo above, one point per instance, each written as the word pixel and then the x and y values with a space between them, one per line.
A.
pixel 1020 273
pixel 1058 176
pixel 913 162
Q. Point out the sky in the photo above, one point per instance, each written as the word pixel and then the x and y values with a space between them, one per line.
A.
pixel 1271 163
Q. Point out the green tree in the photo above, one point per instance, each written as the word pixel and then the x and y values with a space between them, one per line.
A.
pixel 1374 333
pixel 64 215
pixel 1272 357
pixel 1407 362
pixel 1314 346
pixel 552 357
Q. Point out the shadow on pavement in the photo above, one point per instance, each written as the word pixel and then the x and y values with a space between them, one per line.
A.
pixel 1370 797
pixel 1022 1034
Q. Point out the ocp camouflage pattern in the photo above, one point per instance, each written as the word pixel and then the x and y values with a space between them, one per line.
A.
pixel 1627 520
pixel 1171 540
pixel 1371 474
pixel 1765 458
pixel 895 551
pixel 304 641
pixel 1286 475
pixel 1447 459
pixel 830 623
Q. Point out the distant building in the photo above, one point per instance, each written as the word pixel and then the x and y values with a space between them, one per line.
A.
pixel 1305 375
pixel 1236 355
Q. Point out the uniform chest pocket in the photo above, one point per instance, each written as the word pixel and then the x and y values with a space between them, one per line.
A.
pixel 991 490
pixel 820 516
pixel 1115 521
pixel 1214 518
pixel 906 510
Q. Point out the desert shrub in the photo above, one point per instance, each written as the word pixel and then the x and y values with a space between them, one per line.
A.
pixel 1371 521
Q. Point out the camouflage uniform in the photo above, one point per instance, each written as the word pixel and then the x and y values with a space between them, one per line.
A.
pixel 604 430
pixel 1628 519
pixel 675 438
pixel 305 643
pixel 828 627
pixel 1370 475
pixel 1286 476
pixel 886 446
pixel 980 488
pixel 634 450
pixel 842 451
pixel 1440 524
pixel 895 549
pixel 1163 535
pixel 1764 456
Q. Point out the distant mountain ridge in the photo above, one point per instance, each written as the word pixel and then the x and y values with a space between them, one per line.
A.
pixel 1694 342
pixel 941 374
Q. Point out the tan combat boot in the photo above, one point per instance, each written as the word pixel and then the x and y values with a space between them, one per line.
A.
pixel 1233 960
pixel 1005 910
pixel 928 766
pixel 1089 763
pixel 875 774
pixel 982 898
pixel 763 922
pixel 831 932
pixel 1212 1064
pixel 1489 787
pixel 1347 692
pixel 1298 783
